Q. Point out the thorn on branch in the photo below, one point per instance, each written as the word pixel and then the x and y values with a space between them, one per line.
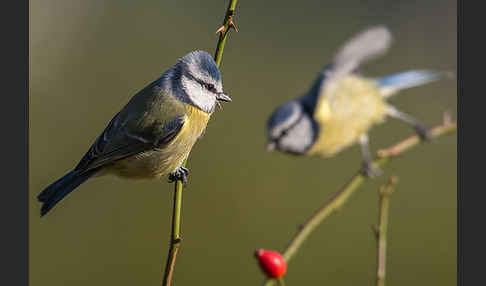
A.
pixel 447 118
pixel 233 25
pixel 375 230
pixel 389 188
pixel 222 29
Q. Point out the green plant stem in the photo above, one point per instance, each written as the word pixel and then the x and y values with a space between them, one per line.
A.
pixel 175 240
pixel 345 193
pixel 381 230
pixel 223 36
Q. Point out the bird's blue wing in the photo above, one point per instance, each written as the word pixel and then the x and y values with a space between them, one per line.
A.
pixel 391 84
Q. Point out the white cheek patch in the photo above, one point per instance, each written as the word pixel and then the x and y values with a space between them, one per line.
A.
pixel 193 88
pixel 198 95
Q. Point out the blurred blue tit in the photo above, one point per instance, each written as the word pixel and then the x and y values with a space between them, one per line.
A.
pixel 342 105
pixel 154 132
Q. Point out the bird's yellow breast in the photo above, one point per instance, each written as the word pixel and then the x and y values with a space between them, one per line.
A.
pixel 353 107
pixel 161 161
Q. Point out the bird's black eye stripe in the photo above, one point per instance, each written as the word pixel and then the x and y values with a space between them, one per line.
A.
pixel 286 131
pixel 209 87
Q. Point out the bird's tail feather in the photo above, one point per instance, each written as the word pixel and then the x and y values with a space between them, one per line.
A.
pixel 391 84
pixel 56 191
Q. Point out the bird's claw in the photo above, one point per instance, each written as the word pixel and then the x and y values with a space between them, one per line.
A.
pixel 369 171
pixel 180 174
pixel 423 132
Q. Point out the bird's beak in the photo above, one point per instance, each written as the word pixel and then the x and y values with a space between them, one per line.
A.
pixel 223 97
pixel 271 146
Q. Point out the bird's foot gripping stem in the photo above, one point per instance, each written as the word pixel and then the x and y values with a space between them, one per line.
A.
pixel 369 171
pixel 180 174
pixel 423 131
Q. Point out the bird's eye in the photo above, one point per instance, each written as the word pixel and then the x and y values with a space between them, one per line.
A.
pixel 209 86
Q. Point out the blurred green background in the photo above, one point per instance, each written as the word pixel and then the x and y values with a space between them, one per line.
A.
pixel 87 58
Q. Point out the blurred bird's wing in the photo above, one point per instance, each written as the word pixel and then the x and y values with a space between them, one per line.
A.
pixel 363 47
pixel 132 131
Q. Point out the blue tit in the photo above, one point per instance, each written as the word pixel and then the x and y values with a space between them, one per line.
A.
pixel 154 132
pixel 342 105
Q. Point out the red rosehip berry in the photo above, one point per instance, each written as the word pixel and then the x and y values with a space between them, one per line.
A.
pixel 271 262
